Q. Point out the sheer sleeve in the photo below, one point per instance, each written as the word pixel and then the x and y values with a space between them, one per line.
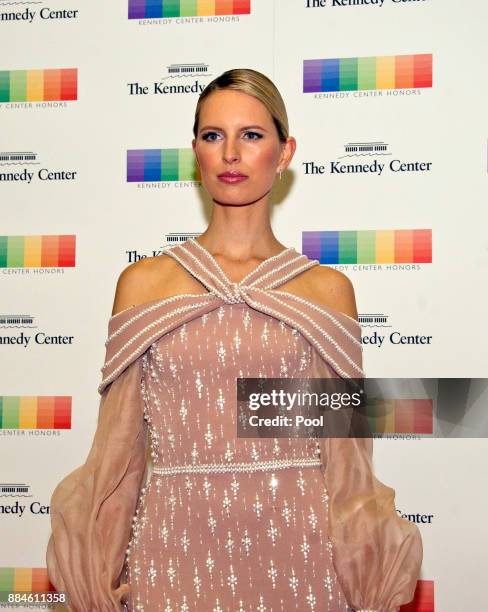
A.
pixel 377 554
pixel 92 507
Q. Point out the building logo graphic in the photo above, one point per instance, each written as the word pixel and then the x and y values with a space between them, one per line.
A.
pixel 376 329
pixel 18 158
pixel 365 158
pixel 369 320
pixel 16 321
pixel 179 237
pixel 176 81
pixel 17 167
pixel 365 148
pixel 179 70
pixel 13 489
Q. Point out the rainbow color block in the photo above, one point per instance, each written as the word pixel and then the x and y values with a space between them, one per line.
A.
pixel 35 412
pixel 23 579
pixel 423 599
pixel 358 73
pixel 148 165
pixel 153 9
pixel 400 416
pixel 369 246
pixel 39 85
pixel 42 251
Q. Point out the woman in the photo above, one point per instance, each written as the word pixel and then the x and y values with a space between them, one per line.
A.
pixel 228 523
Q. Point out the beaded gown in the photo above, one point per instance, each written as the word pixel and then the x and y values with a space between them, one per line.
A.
pixel 219 523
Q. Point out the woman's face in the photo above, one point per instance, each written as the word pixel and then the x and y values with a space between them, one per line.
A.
pixel 236 134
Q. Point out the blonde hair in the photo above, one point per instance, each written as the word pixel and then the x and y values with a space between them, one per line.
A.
pixel 255 84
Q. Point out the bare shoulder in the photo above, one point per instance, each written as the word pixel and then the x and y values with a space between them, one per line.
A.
pixel 142 281
pixel 333 288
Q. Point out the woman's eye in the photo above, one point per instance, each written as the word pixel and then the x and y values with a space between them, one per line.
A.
pixel 255 134
pixel 208 134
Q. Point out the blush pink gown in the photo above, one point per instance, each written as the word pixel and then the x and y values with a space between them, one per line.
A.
pixel 221 523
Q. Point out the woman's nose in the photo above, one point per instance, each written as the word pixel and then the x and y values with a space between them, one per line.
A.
pixel 231 151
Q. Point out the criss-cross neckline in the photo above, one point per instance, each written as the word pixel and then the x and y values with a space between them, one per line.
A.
pixel 258 290
pixel 251 273
pixel 209 275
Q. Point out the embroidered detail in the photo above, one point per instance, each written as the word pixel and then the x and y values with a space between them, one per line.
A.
pixel 224 275
pixel 129 358
pixel 254 466
pixel 152 324
pixel 315 324
pixel 293 272
pixel 318 308
pixel 306 333
pixel 158 304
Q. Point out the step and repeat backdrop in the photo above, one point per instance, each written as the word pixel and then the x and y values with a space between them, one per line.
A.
pixel 387 100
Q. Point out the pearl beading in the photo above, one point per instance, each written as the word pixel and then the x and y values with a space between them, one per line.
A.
pixel 238 294
pixel 234 300
pixel 293 272
pixel 235 292
pixel 136 524
pixel 266 261
pixel 204 282
pixel 219 468
pixel 224 275
pixel 306 333
pixel 153 436
pixel 258 268
pixel 322 332
pixel 232 291
pixel 147 342
pixel 210 257
pixel 158 304
pixel 322 311
pixel 133 339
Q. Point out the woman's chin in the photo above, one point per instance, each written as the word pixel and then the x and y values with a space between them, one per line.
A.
pixel 226 201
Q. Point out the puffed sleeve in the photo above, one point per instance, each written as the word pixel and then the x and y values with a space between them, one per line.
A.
pixel 377 554
pixel 92 507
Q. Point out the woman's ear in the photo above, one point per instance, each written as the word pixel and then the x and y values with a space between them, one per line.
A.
pixel 288 150
pixel 193 144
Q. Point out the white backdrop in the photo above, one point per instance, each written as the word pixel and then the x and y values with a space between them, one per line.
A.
pixel 115 221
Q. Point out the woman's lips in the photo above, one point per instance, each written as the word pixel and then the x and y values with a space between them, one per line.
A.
pixel 228 178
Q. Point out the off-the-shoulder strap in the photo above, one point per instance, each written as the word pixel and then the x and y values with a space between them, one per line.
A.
pixel 132 331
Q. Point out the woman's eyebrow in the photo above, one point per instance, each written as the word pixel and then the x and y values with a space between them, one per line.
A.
pixel 247 127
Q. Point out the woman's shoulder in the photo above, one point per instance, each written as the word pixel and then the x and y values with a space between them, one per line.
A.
pixel 330 288
pixel 143 281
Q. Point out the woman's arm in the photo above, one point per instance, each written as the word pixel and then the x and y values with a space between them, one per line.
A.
pixel 92 507
pixel 377 554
